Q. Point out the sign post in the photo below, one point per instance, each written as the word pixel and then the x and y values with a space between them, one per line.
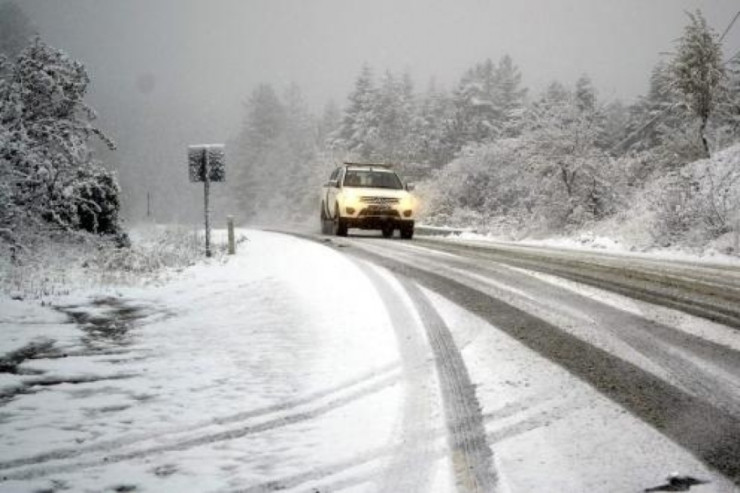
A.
pixel 206 163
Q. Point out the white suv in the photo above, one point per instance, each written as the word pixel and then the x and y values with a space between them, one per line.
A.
pixel 367 196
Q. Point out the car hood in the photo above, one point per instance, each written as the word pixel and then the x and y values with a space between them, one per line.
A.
pixel 377 192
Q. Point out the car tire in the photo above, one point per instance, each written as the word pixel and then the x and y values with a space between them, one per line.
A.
pixel 340 225
pixel 387 231
pixel 325 224
pixel 407 232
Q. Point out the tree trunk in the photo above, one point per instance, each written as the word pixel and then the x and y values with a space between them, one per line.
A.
pixel 568 179
pixel 704 142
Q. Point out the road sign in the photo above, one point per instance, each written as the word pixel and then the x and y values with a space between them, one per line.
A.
pixel 206 163
pixel 207 156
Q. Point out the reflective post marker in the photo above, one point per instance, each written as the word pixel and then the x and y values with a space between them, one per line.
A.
pixel 230 227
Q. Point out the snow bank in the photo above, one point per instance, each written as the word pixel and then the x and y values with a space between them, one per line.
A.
pixel 694 210
pixel 591 242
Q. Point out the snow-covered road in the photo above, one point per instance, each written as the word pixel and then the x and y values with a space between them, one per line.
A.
pixel 276 369
pixel 294 366
pixel 637 388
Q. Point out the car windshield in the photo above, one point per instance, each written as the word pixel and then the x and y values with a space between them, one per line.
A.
pixel 372 179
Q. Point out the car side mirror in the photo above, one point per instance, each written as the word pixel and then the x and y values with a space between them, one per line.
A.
pixel 410 187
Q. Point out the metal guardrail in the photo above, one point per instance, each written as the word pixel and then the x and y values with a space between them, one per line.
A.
pixel 424 230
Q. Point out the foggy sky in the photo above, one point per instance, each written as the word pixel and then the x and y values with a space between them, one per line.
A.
pixel 214 52
pixel 170 72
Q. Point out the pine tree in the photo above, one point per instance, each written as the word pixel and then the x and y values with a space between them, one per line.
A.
pixel 256 149
pixel 509 96
pixel 328 123
pixel 697 71
pixel 654 114
pixel 394 110
pixel 477 115
pixel 585 94
pixel 614 126
pixel 359 123
pixel 298 180
pixel 432 125
pixel 555 92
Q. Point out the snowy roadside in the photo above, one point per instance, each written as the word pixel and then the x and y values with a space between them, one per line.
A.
pixel 280 362
pixel 591 243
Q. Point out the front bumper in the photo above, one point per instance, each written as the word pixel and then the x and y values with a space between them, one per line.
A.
pixel 375 219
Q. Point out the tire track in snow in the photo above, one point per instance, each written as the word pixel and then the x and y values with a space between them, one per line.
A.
pixel 320 478
pixel 710 433
pixel 687 357
pixel 472 458
pixel 715 299
pixel 346 394
pixel 410 470
pixel 108 445
pixel 690 360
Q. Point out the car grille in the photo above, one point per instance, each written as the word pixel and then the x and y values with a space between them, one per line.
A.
pixel 378 200
pixel 378 213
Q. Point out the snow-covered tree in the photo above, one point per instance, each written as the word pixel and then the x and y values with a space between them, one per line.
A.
pixel 256 148
pixel 614 126
pixel 585 94
pixel 477 116
pixel 278 166
pixel 434 143
pixel 380 123
pixel 393 110
pixel 555 92
pixel 299 176
pixel 728 110
pixel 562 141
pixel 47 162
pixel 328 123
pixel 697 71
pixel 358 127
pixel 510 96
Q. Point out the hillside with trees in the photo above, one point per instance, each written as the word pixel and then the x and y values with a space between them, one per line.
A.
pixel 491 154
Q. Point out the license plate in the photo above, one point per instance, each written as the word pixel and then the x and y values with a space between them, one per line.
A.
pixel 379 207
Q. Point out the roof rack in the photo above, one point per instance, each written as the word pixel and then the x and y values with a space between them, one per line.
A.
pixel 370 165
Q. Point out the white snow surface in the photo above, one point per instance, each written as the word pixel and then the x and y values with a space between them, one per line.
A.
pixel 283 368
pixel 550 431
pixel 591 242
pixel 277 364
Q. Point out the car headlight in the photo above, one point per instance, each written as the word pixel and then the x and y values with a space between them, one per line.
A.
pixel 407 203
pixel 350 199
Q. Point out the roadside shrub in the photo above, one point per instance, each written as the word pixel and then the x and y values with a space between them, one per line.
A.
pixel 700 203
pixel 97 202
